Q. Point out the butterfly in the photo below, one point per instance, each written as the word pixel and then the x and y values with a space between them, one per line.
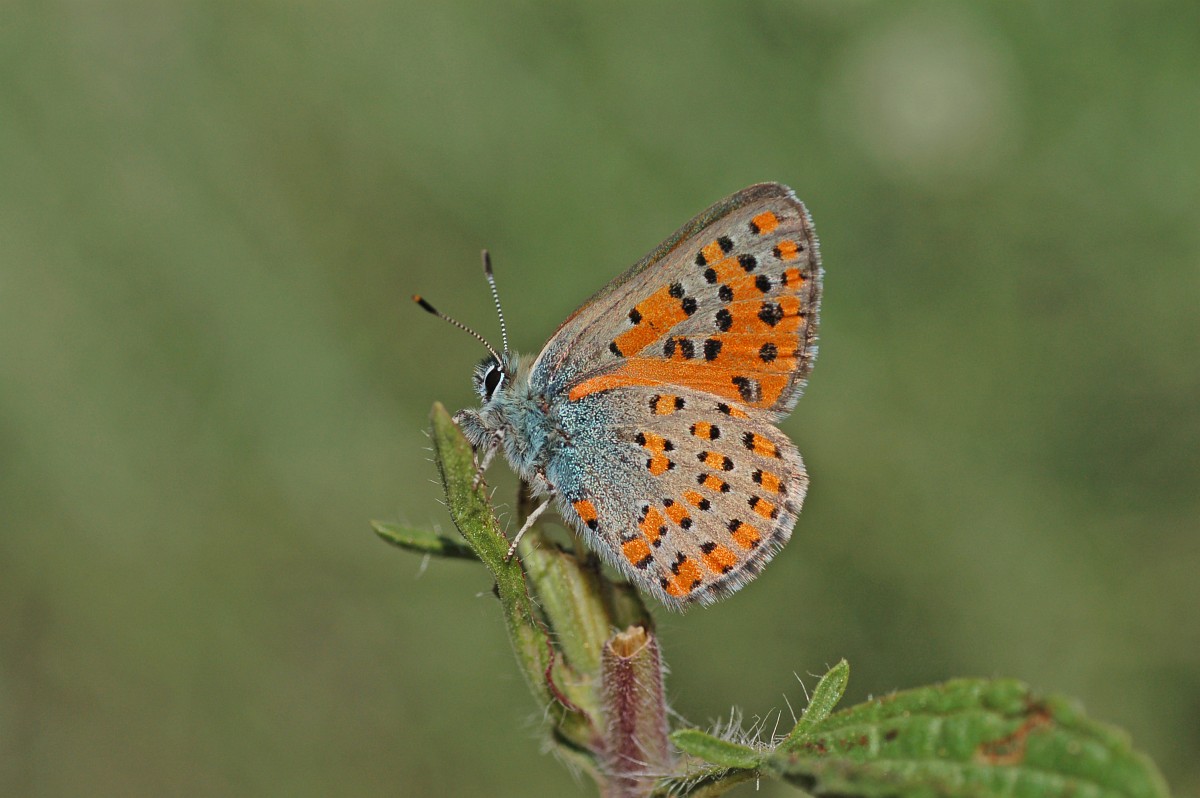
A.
pixel 648 419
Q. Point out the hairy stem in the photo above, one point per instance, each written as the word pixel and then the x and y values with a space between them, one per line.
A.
pixel 637 750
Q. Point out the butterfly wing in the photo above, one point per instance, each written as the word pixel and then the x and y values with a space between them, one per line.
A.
pixel 727 305
pixel 663 388
pixel 687 495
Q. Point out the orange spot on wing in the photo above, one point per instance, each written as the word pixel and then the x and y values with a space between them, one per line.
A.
pixel 666 405
pixel 766 222
pixel 745 535
pixel 653 442
pixel 760 445
pixel 712 252
pixel 764 508
pixel 686 577
pixel 760 283
pixel 637 551
pixel 787 250
pixel 703 429
pixel 720 560
pixel 586 510
pixel 656 314
pixel 678 514
pixel 713 483
pixel 653 525
pixel 659 464
pixel 606 382
pixel 695 498
pixel 769 481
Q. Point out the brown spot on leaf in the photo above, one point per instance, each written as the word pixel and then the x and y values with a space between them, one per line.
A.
pixel 1010 749
pixel 816 746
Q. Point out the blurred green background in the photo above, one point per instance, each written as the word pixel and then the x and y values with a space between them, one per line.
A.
pixel 212 215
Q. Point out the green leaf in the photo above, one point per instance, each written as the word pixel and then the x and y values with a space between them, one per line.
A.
pixel 828 693
pixel 715 750
pixel 421 541
pixel 968 737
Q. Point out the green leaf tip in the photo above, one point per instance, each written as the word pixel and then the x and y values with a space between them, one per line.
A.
pixel 968 737
pixel 422 541
pixel 828 693
pixel 715 750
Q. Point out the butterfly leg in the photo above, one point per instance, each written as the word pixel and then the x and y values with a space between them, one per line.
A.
pixel 478 435
pixel 512 547
pixel 482 463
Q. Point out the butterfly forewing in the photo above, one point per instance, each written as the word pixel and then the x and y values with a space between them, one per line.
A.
pixel 728 305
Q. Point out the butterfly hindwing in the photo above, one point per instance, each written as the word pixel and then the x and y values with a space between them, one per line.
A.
pixel 728 306
pixel 689 497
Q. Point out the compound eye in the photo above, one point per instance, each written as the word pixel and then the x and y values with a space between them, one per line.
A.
pixel 492 381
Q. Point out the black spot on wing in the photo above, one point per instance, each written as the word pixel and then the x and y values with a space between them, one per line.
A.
pixel 749 389
pixel 770 313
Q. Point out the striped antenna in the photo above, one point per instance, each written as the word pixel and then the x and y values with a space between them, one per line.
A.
pixel 491 278
pixel 431 309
